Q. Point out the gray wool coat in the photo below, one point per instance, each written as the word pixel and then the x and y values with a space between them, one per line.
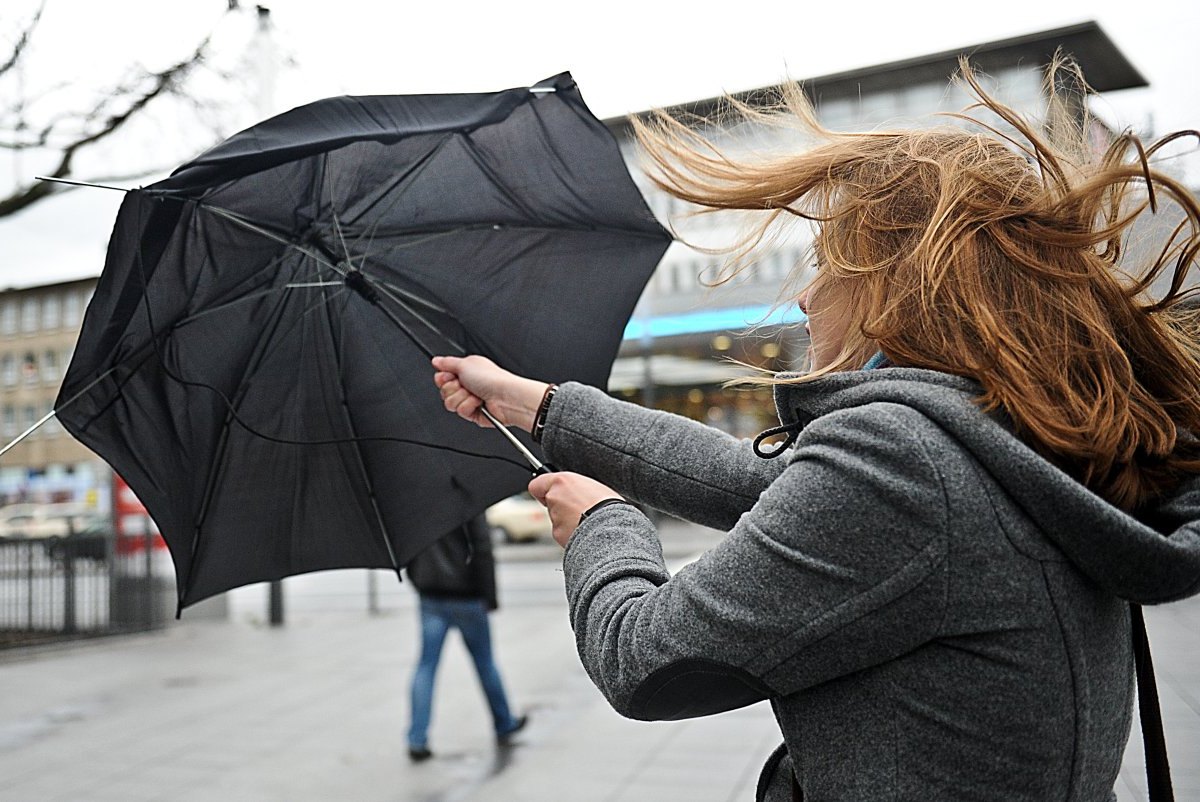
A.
pixel 934 611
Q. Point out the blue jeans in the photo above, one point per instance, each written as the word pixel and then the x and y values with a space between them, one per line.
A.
pixel 470 617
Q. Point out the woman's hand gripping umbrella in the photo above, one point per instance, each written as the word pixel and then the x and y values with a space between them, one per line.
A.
pixel 467 384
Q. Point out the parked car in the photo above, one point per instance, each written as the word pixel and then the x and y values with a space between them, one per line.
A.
pixel 32 521
pixel 518 519
pixel 95 541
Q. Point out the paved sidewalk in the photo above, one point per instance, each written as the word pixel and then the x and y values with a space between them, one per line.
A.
pixel 234 710
pixel 316 710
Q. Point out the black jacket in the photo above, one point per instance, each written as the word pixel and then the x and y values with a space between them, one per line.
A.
pixel 458 566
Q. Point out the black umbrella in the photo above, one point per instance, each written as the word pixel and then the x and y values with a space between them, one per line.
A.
pixel 254 361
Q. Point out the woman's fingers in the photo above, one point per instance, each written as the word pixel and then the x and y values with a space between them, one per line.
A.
pixel 449 364
pixel 464 403
pixel 469 382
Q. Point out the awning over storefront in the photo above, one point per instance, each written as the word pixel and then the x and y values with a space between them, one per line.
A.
pixel 666 370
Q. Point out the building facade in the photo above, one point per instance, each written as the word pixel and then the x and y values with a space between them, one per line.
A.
pixel 38 330
pixel 687 337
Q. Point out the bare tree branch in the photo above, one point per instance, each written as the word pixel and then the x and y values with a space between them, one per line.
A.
pixel 66 135
pixel 25 197
pixel 23 40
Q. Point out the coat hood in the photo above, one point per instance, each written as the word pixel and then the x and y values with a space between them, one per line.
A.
pixel 1150 557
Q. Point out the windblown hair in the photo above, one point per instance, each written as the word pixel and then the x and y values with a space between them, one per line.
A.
pixel 996 256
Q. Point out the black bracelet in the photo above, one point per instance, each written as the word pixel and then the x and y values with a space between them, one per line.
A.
pixel 602 504
pixel 539 420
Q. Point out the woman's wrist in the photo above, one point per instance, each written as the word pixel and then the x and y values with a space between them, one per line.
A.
pixel 607 502
pixel 539 418
pixel 521 406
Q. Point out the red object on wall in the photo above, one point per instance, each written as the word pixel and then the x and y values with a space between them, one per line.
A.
pixel 132 522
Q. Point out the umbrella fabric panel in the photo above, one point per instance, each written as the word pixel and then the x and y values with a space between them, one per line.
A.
pixel 517 174
pixel 539 167
pixel 329 123
pixel 567 296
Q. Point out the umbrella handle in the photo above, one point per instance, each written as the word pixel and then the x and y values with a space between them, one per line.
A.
pixel 534 462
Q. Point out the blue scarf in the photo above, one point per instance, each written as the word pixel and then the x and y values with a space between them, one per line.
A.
pixel 877 361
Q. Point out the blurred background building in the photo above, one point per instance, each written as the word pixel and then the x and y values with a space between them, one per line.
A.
pixel 38 329
pixel 680 345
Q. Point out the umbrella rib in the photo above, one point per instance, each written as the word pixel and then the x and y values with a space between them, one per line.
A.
pixel 215 473
pixel 392 294
pixel 412 296
pixel 481 163
pixel 254 296
pixel 298 285
pixel 54 412
pixel 337 229
pixel 391 190
pixel 421 239
pixel 533 461
pixel 251 226
pixel 433 231
pixel 362 463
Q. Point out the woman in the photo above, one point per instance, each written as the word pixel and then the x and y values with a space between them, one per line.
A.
pixel 931 582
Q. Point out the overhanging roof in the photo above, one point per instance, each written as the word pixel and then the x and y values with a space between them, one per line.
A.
pixel 1104 66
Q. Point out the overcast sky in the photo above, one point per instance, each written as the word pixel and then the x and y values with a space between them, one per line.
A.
pixel 625 56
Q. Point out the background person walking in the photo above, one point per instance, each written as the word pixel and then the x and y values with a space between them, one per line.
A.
pixel 456 580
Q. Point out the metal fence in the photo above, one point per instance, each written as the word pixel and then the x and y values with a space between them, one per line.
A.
pixel 54 588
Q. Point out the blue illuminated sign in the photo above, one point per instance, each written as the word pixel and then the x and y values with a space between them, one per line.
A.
pixel 732 319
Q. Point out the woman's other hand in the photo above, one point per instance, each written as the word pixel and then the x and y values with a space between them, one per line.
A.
pixel 467 383
pixel 567 496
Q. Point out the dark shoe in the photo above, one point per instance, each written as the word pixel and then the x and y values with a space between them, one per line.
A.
pixel 418 754
pixel 506 737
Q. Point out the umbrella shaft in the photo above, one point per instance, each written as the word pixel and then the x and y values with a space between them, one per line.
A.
pixel 534 462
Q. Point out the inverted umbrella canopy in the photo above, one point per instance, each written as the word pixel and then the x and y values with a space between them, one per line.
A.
pixel 254 361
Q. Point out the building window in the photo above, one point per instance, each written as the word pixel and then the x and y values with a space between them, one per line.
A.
pixel 72 311
pixel 29 315
pixel 29 368
pixel 50 312
pixel 677 271
pixel 8 317
pixel 29 417
pixel 50 366
pixel 8 370
pixel 10 421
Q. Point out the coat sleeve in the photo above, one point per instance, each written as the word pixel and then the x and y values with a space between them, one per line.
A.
pixel 669 462
pixel 838 566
